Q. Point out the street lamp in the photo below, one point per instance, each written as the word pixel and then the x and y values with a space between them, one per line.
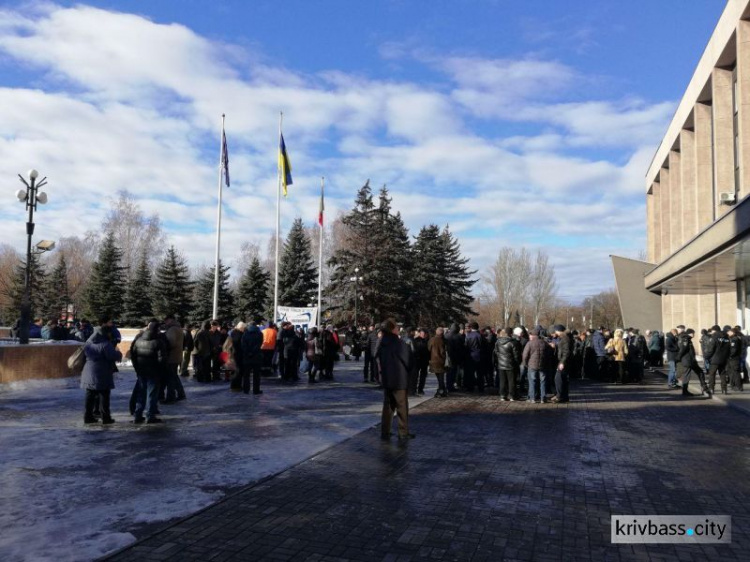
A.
pixel 356 280
pixel 30 196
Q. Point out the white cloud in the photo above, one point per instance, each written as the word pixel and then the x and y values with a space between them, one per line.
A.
pixel 121 102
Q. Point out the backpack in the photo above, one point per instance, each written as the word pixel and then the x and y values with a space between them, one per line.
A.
pixel 77 361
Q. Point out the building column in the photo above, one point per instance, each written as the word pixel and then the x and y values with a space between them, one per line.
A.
pixel 743 92
pixel 704 166
pixel 721 84
pixel 664 195
pixel 689 195
pixel 675 201
pixel 652 223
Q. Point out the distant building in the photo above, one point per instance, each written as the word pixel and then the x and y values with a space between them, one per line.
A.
pixel 697 186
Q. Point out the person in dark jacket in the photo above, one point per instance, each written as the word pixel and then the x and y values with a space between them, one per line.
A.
pixel 252 358
pixel 187 349
pixel 436 347
pixel 687 363
pixel 454 350
pixel 508 361
pixel 717 354
pixel 237 356
pixel 736 352
pixel 291 351
pixel 563 354
pixel 421 359
pixel 670 343
pixel 313 365
pixel 486 360
pixel 472 358
pixel 599 344
pixel 535 356
pixel 371 366
pixel 149 356
pixel 216 338
pixel 97 377
pixel 395 362
pixel 705 342
pixel 203 346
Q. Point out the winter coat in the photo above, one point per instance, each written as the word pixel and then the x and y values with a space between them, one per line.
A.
pixel 101 355
pixel 487 351
pixel 310 348
pixel 372 342
pixel 269 339
pixel 46 332
pixel 396 362
pixel 149 354
pixel 599 344
pixel 685 350
pixel 536 354
pixel 436 346
pixel 175 339
pixel 619 349
pixel 736 347
pixel 203 343
pixel 563 351
pixel 473 343
pixel 290 343
pixel 654 344
pixel 672 348
pixel 235 336
pixel 705 343
pixel 35 331
pixel 454 346
pixel 252 342
pixel 421 352
pixel 717 351
pixel 507 353
pixel 187 341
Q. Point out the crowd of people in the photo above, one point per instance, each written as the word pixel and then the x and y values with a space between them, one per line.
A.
pixel 517 364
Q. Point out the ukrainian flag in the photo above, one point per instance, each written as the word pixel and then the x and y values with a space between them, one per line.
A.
pixel 285 167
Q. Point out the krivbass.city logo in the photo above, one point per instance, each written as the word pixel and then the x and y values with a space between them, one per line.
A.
pixel 671 529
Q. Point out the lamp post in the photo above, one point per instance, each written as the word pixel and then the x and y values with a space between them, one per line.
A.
pixel 356 280
pixel 30 196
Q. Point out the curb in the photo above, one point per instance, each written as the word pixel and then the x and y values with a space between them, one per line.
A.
pixel 728 403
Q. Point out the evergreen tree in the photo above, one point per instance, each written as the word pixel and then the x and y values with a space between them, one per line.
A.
pixel 105 291
pixel 252 292
pixel 37 286
pixel 203 296
pixel 457 279
pixel 298 276
pixel 57 294
pixel 138 305
pixel 430 266
pixel 172 290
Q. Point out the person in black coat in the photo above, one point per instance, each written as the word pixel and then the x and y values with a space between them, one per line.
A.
pixel 395 362
pixel 717 355
pixel 687 363
pixel 736 351
pixel 187 349
pixel 149 356
pixel 252 358
pixel 370 345
pixel 237 356
pixel 564 356
pixel 421 360
pixel 670 343
pixel 508 360
pixel 290 353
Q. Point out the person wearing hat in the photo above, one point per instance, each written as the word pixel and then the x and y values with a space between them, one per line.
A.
pixel 736 350
pixel 717 355
pixel 534 357
pixel 564 356
pixel 687 363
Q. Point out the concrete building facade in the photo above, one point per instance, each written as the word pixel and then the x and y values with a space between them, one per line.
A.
pixel 697 187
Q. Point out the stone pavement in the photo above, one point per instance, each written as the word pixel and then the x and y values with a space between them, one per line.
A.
pixel 491 480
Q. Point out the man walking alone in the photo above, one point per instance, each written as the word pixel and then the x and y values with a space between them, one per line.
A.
pixel 395 360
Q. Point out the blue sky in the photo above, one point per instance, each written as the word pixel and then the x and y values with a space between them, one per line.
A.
pixel 520 123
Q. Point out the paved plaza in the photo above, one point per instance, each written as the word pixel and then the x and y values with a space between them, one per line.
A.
pixel 491 480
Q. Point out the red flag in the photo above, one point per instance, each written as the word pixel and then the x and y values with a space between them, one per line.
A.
pixel 322 207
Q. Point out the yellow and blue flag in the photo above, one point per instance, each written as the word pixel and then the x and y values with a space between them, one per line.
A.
pixel 285 167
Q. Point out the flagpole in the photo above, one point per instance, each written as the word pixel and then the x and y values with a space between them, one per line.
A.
pixel 215 314
pixel 278 232
pixel 320 259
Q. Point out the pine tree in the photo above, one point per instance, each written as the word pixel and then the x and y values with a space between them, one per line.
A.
pixel 37 286
pixel 252 292
pixel 298 276
pixel 457 279
pixel 172 288
pixel 203 296
pixel 57 295
pixel 105 291
pixel 429 286
pixel 138 305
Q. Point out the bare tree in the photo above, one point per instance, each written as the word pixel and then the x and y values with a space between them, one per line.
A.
pixel 543 287
pixel 134 232
pixel 248 252
pixel 333 238
pixel 9 260
pixel 508 279
pixel 80 254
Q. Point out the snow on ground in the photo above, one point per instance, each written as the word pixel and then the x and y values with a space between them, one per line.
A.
pixel 75 492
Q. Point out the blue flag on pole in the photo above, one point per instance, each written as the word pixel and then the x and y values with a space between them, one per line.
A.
pixel 225 157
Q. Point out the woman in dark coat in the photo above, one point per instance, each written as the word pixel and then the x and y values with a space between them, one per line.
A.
pixel 97 377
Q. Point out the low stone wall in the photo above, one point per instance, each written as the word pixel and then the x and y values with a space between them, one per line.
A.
pixel 35 361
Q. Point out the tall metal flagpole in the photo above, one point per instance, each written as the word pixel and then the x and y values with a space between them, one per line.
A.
pixel 215 314
pixel 320 259
pixel 278 232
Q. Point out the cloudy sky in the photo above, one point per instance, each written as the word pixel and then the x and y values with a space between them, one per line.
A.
pixel 519 123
